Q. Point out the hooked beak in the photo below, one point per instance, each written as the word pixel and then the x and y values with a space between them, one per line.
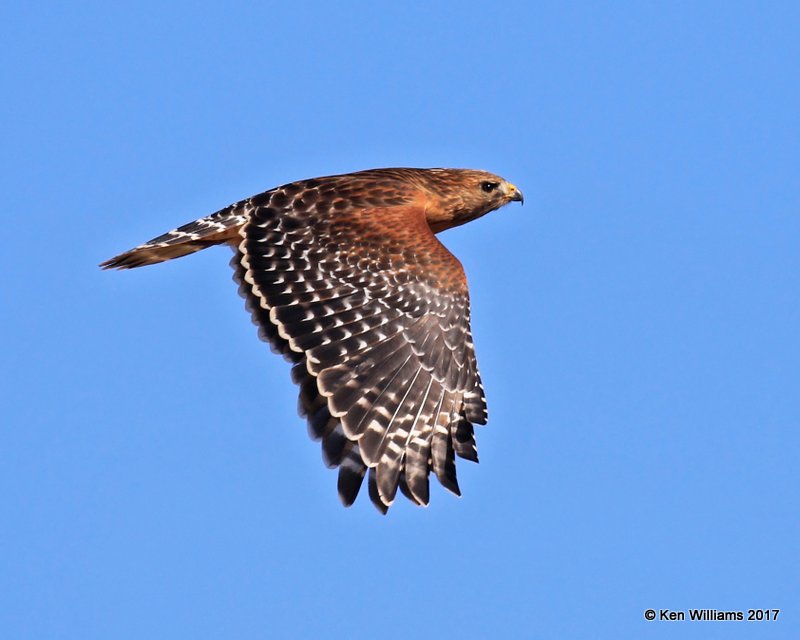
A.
pixel 515 195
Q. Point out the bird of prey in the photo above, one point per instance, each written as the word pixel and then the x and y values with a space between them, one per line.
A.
pixel 345 278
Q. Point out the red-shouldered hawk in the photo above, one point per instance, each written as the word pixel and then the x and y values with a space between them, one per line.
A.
pixel 345 278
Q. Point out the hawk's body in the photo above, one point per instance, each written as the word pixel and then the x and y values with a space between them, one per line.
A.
pixel 345 278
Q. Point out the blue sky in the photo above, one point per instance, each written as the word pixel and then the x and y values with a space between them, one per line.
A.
pixel 636 321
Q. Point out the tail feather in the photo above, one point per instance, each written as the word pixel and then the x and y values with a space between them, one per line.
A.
pixel 220 227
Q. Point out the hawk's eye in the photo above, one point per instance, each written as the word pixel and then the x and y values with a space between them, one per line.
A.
pixel 488 187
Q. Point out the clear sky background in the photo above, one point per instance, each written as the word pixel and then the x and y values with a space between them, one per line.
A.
pixel 636 321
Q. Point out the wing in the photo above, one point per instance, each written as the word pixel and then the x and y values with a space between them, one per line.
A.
pixel 348 282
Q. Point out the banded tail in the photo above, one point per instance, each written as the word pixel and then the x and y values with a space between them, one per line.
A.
pixel 218 228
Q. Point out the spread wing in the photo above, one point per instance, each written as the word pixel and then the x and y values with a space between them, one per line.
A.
pixel 348 282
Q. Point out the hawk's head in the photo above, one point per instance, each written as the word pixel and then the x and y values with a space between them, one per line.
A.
pixel 461 195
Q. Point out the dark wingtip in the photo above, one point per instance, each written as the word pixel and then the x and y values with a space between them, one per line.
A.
pixel 405 490
pixel 113 263
pixel 374 495
pixel 449 480
pixel 127 260
pixel 349 484
pixel 452 486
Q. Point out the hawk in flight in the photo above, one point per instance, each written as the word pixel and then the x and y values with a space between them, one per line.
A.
pixel 345 278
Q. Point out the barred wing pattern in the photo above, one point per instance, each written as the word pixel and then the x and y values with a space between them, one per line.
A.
pixel 348 282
